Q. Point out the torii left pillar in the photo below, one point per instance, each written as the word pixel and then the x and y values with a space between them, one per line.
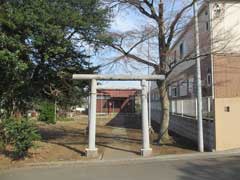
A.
pixel 92 151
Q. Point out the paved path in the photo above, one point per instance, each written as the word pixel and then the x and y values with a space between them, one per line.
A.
pixel 223 168
pixel 117 154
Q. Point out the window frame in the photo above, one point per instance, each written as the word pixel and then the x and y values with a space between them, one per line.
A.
pixel 209 79
pixel 181 50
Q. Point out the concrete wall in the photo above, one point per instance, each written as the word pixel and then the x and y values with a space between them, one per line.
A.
pixel 188 127
pixel 227 123
pixel 227 101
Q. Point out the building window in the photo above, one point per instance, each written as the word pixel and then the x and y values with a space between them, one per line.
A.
pixel 209 79
pixel 181 50
pixel 175 57
pixel 206 13
pixel 207 26
pixel 174 92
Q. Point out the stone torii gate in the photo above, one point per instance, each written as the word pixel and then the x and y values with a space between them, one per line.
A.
pixel 92 151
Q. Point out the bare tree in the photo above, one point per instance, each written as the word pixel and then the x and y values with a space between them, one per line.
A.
pixel 164 32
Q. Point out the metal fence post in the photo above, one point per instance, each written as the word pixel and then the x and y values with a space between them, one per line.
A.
pixel 196 108
pixel 182 107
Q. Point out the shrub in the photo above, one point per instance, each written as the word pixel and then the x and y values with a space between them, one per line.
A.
pixel 47 112
pixel 20 133
pixel 2 143
pixel 61 118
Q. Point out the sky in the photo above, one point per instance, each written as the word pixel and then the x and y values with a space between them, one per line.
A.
pixel 125 20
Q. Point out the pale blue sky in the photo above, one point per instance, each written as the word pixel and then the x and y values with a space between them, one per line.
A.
pixel 125 20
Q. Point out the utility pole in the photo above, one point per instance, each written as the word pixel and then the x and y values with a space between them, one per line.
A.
pixel 199 83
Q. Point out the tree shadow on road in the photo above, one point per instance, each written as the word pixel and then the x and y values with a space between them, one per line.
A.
pixel 214 169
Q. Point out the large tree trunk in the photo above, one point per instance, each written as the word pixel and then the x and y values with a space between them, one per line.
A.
pixel 165 117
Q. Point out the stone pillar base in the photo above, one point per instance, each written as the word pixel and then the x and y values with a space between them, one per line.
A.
pixel 92 153
pixel 146 152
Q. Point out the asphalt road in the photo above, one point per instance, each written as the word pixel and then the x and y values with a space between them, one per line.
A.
pixel 224 168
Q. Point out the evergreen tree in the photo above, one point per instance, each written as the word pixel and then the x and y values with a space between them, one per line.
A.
pixel 42 43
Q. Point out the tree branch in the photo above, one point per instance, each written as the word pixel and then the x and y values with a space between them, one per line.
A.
pixel 138 4
pixel 150 6
pixel 140 60
pixel 185 60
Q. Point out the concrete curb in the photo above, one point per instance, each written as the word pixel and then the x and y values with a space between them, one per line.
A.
pixel 140 160
pixel 191 156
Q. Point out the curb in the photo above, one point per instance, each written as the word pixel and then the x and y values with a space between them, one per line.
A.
pixel 140 160
pixel 191 156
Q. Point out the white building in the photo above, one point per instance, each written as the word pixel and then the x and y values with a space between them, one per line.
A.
pixel 219 25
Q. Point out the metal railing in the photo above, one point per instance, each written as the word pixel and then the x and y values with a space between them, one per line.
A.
pixel 188 107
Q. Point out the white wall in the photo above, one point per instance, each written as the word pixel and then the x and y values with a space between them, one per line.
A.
pixel 226 27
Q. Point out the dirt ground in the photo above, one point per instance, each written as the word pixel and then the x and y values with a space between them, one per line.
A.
pixel 66 141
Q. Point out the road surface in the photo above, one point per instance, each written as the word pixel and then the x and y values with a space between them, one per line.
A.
pixel 223 168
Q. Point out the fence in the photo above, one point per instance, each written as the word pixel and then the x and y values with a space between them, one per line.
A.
pixel 188 107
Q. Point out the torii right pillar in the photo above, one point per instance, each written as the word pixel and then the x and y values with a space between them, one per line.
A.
pixel 146 150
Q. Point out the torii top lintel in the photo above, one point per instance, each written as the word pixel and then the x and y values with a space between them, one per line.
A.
pixel 118 77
